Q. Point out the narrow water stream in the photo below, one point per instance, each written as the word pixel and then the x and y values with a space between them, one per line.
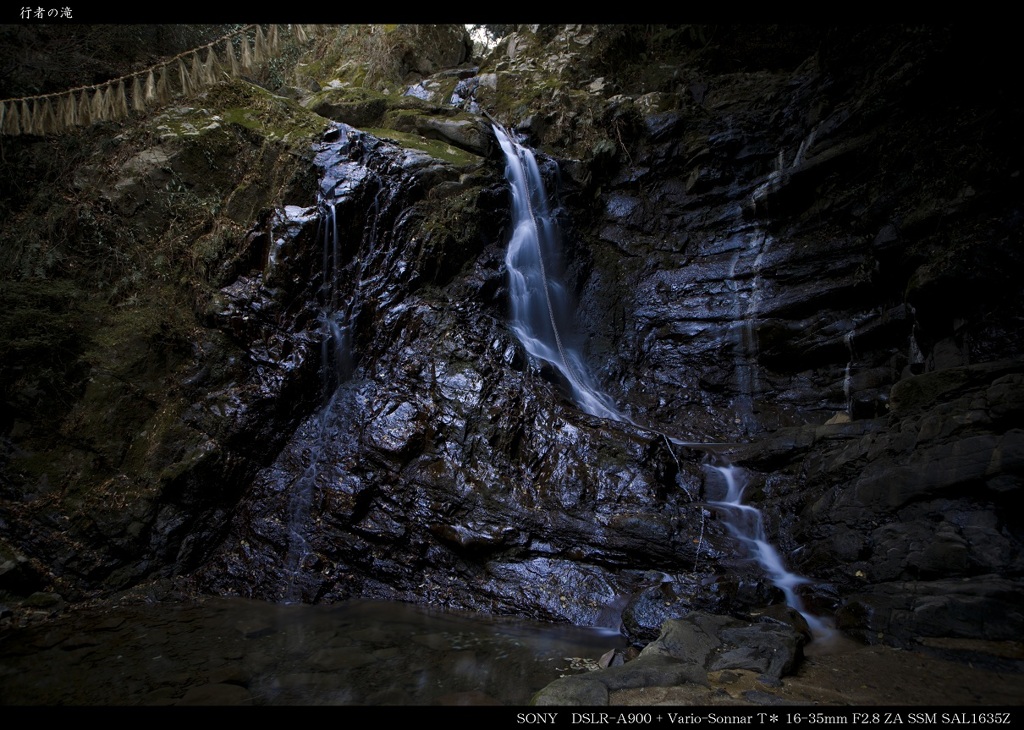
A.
pixel 541 310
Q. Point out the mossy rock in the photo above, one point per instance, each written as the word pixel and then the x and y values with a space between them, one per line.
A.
pixel 436 149
pixel 238 102
pixel 352 105
pixel 454 230
pixel 44 601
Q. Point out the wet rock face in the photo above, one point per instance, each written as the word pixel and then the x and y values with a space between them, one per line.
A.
pixel 442 466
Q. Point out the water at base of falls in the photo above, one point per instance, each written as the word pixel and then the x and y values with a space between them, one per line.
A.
pixel 232 651
pixel 540 307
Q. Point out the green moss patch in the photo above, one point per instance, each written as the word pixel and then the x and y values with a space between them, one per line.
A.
pixel 238 102
pixel 436 149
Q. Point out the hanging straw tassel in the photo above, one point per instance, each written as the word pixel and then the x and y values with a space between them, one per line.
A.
pixel 107 110
pixel 99 106
pixel 12 124
pixel 260 54
pixel 246 54
pixel 183 78
pixel 113 103
pixel 149 95
pixel 196 74
pixel 108 102
pixel 47 121
pixel 163 86
pixel 274 40
pixel 13 119
pixel 84 109
pixel 71 111
pixel 37 119
pixel 229 50
pixel 51 119
pixel 96 106
pixel 138 105
pixel 118 102
pixel 26 117
pixel 44 117
pixel 211 69
pixel 300 34
pixel 68 111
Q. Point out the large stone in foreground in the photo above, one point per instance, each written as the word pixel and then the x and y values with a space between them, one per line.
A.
pixel 686 651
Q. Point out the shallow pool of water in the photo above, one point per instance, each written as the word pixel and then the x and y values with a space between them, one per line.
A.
pixel 233 651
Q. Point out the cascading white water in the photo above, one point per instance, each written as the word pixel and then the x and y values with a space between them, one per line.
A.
pixel 540 306
pixel 538 299
pixel 746 523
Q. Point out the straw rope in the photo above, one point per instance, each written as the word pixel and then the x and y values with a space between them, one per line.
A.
pixel 183 75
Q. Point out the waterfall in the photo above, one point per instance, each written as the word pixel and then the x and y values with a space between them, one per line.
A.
pixel 336 365
pixel 540 309
pixel 746 523
pixel 540 303
pixel 848 373
pixel 746 288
